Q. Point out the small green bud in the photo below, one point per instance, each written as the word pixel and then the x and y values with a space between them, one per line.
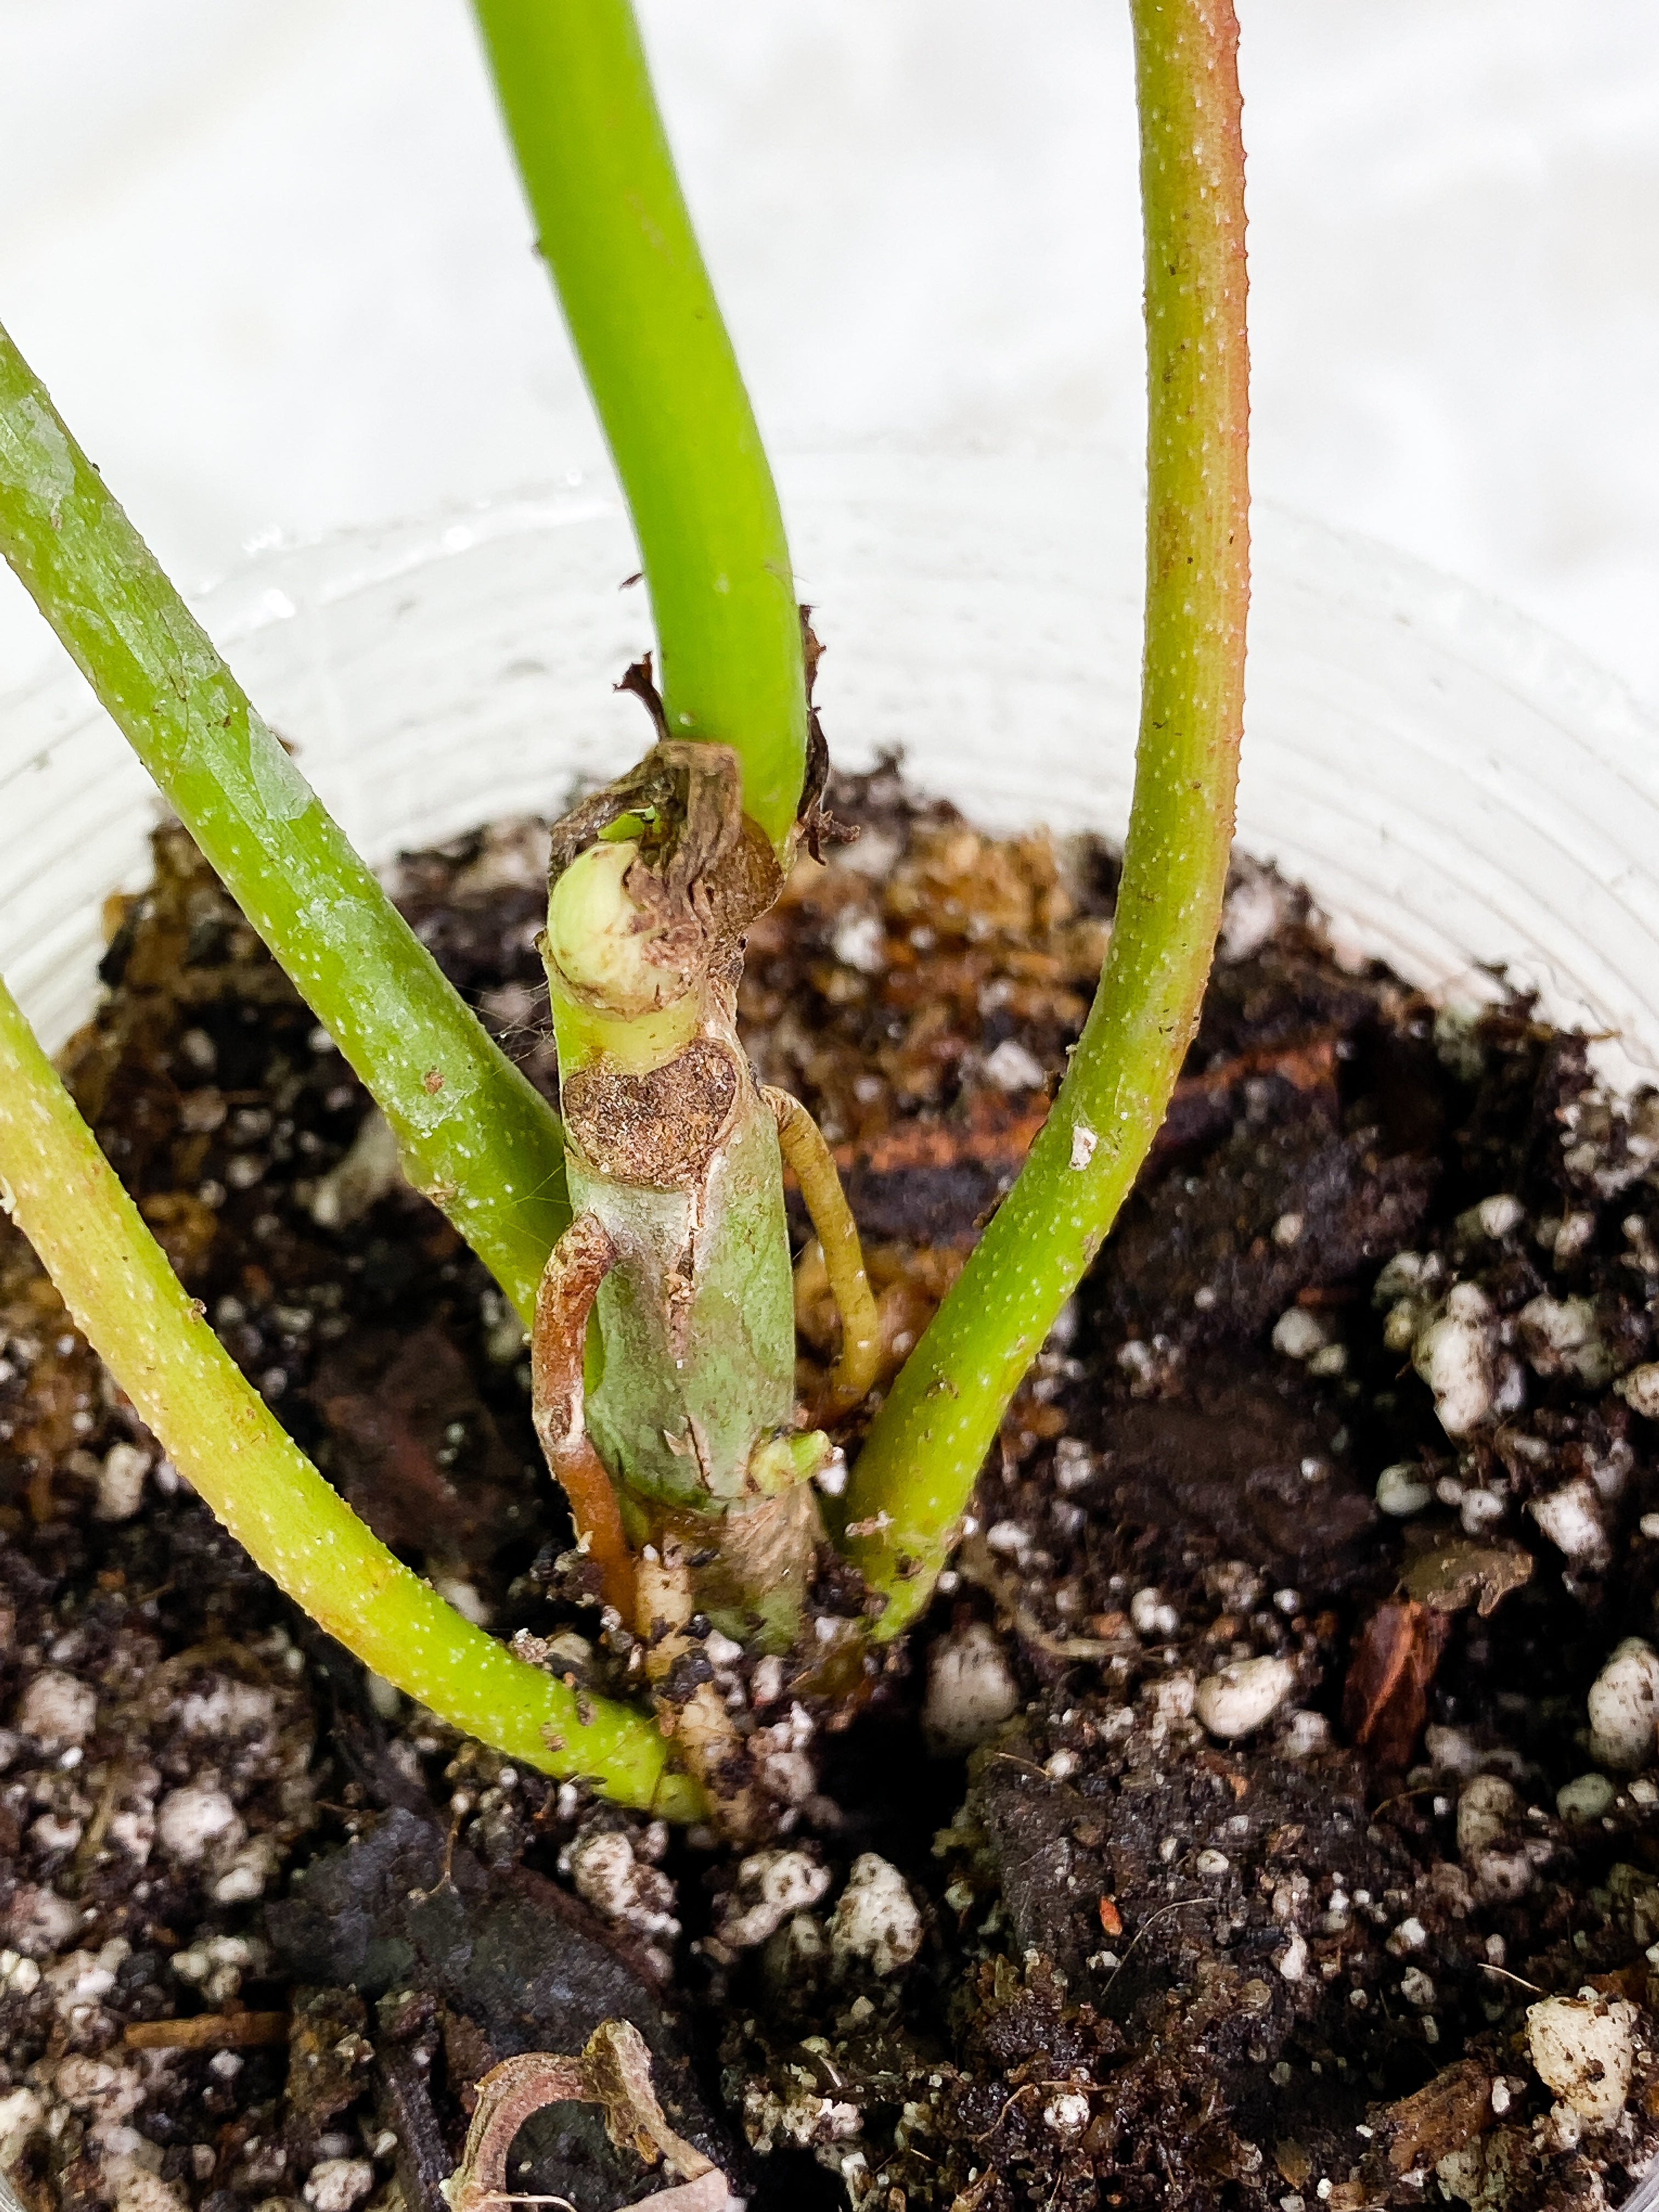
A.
pixel 600 942
pixel 781 1461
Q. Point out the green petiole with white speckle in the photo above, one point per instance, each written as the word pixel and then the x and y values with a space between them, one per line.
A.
pixel 473 1133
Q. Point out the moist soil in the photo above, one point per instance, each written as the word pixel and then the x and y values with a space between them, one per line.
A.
pixel 1208 1844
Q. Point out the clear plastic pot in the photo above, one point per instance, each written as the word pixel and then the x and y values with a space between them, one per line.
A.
pixel 1459 789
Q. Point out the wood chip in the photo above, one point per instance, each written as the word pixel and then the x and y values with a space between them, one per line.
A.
pixel 1443 2117
pixel 614 2071
pixel 1294 2163
pixel 209 2031
pixel 1385 1698
pixel 1458 1574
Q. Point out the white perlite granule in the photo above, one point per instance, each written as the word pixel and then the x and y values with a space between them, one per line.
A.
pixel 876 1920
pixel 1239 1698
pixel 971 1690
pixel 335 2184
pixel 1585 2048
pixel 121 1483
pixel 771 1887
pixel 1624 1707
pixel 188 1822
pixel 58 1711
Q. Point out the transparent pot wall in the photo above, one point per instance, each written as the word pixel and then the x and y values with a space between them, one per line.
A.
pixel 1458 789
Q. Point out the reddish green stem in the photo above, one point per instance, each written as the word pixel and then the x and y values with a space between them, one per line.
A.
pixel 917 1469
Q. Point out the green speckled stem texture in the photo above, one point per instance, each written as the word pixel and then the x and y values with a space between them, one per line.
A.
pixel 923 1454
pixel 474 1134
pixel 613 228
pixel 131 1308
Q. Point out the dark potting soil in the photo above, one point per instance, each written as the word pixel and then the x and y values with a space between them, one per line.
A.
pixel 1215 1841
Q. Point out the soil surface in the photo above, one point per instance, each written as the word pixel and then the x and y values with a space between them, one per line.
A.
pixel 1267 1813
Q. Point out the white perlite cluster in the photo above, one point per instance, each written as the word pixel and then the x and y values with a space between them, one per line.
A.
pixel 1406 1293
pixel 121 1482
pixel 1563 1336
pixel 21 2113
pixel 876 1923
pixel 38 1922
pixel 1459 1353
pixel 1152 1614
pixel 1502 1863
pixel 58 1711
pixel 1572 1519
pixel 191 1821
pixel 771 1887
pixel 226 1708
pixel 1455 1338
pixel 104 2093
pixel 1485 1809
pixel 1467 1352
pixel 216 1965
pixel 1624 1707
pixel 1587 1126
pixel 803 2119
pixel 971 1690
pixel 613 1875
pixel 1299 1333
pixel 1474 1360
pixel 779 1756
pixel 1490 1220
pixel 1640 1389
pixel 335 2184
pixel 1583 2048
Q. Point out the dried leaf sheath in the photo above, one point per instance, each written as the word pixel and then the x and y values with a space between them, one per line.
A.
pixel 577 1266
pixel 614 2071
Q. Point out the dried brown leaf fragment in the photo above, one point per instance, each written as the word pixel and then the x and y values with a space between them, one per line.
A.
pixel 614 2071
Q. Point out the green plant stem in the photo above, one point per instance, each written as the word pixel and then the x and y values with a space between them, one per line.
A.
pixel 131 1308
pixel 474 1134
pixel 919 1465
pixel 613 228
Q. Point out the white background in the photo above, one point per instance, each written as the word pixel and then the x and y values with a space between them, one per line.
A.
pixel 270 257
